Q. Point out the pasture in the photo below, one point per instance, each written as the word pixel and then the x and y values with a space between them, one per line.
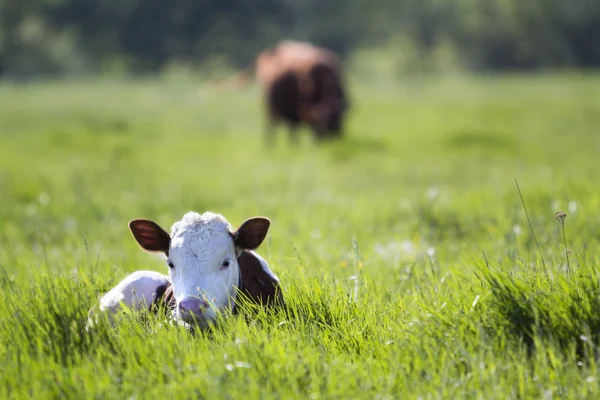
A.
pixel 404 250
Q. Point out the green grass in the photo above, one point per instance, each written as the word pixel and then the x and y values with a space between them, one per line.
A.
pixel 404 251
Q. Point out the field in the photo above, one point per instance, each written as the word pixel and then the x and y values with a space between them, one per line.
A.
pixel 405 251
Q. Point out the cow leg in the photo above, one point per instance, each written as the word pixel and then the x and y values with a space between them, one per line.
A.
pixel 270 130
pixel 293 132
pixel 137 292
pixel 319 132
pixel 270 133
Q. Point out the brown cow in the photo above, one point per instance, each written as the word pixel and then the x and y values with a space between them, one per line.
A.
pixel 302 83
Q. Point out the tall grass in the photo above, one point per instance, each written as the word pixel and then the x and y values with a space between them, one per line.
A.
pixel 408 262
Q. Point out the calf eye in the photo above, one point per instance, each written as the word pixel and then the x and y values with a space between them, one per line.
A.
pixel 225 264
pixel 170 264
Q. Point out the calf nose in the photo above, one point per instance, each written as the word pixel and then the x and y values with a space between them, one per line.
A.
pixel 192 305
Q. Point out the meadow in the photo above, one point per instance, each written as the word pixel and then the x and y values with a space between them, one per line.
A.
pixel 412 265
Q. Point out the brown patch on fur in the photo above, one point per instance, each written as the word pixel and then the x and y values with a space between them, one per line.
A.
pixel 256 283
pixel 164 299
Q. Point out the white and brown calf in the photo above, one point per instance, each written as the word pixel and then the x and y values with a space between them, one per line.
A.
pixel 208 265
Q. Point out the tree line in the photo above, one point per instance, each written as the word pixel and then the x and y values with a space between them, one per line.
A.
pixel 60 37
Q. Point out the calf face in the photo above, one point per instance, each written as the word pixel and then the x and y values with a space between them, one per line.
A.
pixel 202 255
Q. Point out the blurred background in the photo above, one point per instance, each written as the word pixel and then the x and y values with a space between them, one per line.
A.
pixel 63 38
pixel 450 102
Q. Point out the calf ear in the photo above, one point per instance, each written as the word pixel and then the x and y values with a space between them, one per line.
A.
pixel 150 236
pixel 251 233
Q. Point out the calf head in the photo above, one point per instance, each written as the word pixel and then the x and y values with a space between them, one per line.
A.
pixel 202 252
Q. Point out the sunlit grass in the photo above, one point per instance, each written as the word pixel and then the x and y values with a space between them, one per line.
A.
pixel 404 251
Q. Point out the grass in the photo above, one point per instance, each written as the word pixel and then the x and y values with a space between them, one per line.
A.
pixel 404 250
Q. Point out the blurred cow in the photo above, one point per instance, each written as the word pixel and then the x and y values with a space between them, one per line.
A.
pixel 302 83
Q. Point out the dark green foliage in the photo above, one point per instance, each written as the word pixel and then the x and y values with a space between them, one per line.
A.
pixel 51 37
pixel 534 307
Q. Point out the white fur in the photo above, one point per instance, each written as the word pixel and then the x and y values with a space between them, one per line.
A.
pixel 199 246
pixel 137 291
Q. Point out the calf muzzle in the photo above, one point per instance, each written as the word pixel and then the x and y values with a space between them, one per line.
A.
pixel 193 308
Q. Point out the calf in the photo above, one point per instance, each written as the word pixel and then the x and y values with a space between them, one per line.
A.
pixel 208 263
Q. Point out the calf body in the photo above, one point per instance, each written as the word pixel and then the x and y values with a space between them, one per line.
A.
pixel 209 267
